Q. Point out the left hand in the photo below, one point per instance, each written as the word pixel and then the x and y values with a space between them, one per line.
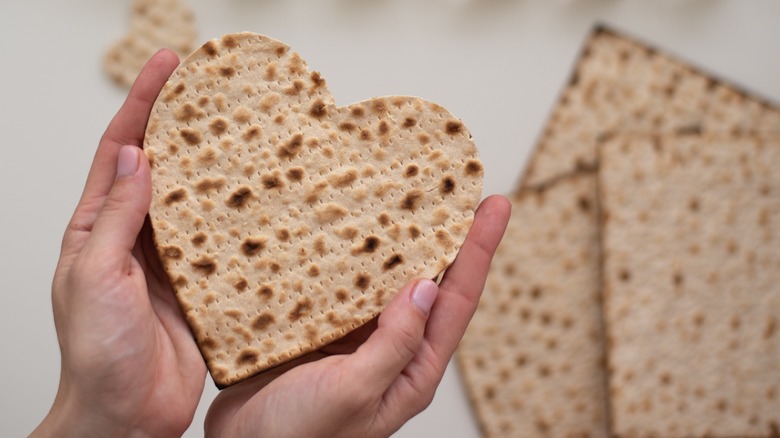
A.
pixel 370 389
pixel 129 363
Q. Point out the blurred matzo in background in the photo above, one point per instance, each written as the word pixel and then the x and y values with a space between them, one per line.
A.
pixel 542 357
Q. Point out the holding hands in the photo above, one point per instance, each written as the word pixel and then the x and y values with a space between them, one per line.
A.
pixel 130 366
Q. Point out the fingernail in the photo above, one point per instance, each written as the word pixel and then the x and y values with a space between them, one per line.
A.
pixel 424 294
pixel 127 162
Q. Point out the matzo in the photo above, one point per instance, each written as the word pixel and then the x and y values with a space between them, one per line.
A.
pixel 154 24
pixel 533 356
pixel 692 284
pixel 285 221
pixel 619 83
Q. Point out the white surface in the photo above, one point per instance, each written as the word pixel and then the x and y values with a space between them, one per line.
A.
pixel 497 64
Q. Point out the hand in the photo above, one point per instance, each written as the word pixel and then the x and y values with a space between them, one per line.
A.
pixel 129 363
pixel 370 389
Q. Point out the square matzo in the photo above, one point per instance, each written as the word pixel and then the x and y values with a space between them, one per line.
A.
pixel 692 284
pixel 533 356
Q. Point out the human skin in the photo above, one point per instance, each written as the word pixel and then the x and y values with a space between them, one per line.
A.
pixel 130 366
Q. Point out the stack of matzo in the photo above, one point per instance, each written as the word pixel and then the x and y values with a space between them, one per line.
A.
pixel 285 221
pixel 622 86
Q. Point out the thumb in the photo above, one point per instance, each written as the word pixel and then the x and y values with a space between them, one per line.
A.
pixel 398 337
pixel 125 208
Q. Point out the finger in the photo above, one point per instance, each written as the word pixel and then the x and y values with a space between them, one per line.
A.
pixel 124 210
pixel 459 293
pixel 398 337
pixel 127 127
pixel 463 282
pixel 129 124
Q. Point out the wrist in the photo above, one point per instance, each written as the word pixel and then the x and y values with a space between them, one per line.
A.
pixel 70 418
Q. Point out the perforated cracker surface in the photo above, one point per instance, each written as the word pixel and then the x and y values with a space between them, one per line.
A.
pixel 533 356
pixel 620 83
pixel 285 221
pixel 691 284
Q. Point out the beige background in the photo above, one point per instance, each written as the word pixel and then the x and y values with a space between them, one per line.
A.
pixel 497 64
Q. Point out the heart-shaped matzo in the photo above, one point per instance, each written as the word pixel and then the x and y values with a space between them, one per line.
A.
pixel 154 24
pixel 284 221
